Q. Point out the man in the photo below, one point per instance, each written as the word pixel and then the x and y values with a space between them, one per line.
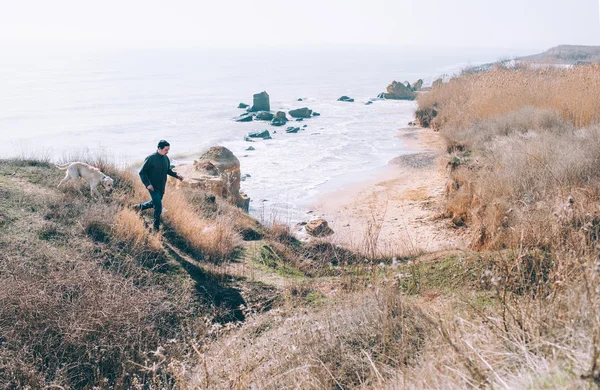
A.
pixel 154 176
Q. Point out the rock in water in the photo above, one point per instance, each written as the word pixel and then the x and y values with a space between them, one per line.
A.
pixel 280 115
pixel 316 114
pixel 303 112
pixel 264 116
pixel 368 103
pixel 259 134
pixel 278 121
pixel 318 228
pixel 244 118
pixel 292 130
pixel 345 99
pixel 261 102
pixel 242 105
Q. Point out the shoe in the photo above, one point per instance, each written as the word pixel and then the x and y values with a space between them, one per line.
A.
pixel 136 207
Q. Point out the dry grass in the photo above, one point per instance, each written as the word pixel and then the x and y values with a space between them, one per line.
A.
pixel 215 239
pixel 486 95
pixel 360 342
pixel 129 229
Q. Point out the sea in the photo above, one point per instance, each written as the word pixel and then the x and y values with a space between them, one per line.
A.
pixel 62 102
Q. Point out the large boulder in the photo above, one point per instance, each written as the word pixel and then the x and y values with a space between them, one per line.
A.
pixel 260 102
pixel 263 116
pixel 242 105
pixel 217 172
pixel 280 115
pixel 318 228
pixel 303 112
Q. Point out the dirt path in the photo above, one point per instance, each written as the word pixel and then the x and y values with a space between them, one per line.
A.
pixel 395 211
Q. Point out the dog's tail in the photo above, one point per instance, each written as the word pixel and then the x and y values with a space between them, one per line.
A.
pixel 63 166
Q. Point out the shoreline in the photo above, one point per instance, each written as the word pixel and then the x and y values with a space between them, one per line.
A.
pixel 394 211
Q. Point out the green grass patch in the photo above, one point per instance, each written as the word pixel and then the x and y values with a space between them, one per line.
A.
pixel 270 259
pixel 451 273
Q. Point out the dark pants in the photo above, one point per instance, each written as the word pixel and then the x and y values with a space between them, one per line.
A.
pixel 155 203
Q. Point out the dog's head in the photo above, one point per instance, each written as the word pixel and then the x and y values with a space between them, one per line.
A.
pixel 107 183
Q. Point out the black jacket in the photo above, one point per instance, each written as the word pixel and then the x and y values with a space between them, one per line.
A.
pixel 155 170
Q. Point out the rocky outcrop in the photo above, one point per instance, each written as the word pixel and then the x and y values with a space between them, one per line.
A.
pixel 217 172
pixel 398 91
pixel 345 99
pixel 260 102
pixel 303 112
pixel 318 228
pixel 280 115
pixel 242 105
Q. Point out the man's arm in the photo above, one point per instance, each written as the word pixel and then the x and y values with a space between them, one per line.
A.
pixel 145 171
pixel 171 172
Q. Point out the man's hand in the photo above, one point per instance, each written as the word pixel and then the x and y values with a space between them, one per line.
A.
pixel 180 177
pixel 150 188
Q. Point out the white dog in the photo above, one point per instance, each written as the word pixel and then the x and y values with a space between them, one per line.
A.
pixel 90 174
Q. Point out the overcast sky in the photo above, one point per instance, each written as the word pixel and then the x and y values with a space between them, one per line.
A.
pixel 235 23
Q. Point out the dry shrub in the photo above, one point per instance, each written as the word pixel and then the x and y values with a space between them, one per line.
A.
pixel 485 95
pixel 215 239
pixel 514 185
pixel 71 323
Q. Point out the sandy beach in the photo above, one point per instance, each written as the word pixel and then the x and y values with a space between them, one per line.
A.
pixel 395 210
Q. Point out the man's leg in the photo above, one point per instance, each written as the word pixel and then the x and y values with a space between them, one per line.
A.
pixel 146 205
pixel 157 203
